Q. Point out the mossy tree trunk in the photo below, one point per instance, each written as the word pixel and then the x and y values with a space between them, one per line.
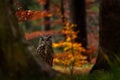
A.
pixel 16 60
pixel 109 35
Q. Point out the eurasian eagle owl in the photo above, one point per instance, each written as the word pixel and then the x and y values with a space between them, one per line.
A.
pixel 45 50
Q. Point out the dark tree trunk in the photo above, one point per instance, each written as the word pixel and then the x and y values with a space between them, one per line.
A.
pixel 46 19
pixel 16 61
pixel 109 35
pixel 78 14
pixel 62 11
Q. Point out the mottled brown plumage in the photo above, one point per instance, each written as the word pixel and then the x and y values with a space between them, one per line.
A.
pixel 44 49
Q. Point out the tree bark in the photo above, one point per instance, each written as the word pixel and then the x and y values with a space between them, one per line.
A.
pixel 78 16
pixel 62 11
pixel 16 60
pixel 46 19
pixel 109 35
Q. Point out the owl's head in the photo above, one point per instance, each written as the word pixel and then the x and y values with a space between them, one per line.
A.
pixel 45 40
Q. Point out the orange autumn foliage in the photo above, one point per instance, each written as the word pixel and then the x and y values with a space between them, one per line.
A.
pixel 24 15
pixel 72 50
pixel 36 34
pixel 66 59
pixel 40 14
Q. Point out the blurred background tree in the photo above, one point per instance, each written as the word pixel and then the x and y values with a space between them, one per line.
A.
pixel 109 48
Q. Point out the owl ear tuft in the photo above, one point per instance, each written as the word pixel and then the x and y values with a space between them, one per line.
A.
pixel 41 38
pixel 49 37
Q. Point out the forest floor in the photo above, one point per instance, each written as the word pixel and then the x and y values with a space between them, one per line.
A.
pixel 84 69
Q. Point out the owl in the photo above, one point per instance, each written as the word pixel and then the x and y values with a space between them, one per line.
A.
pixel 45 50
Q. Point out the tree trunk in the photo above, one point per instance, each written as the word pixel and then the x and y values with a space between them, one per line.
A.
pixel 109 35
pixel 46 19
pixel 62 11
pixel 16 61
pixel 78 14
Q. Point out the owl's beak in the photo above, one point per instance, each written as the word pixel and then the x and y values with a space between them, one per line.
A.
pixel 42 44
